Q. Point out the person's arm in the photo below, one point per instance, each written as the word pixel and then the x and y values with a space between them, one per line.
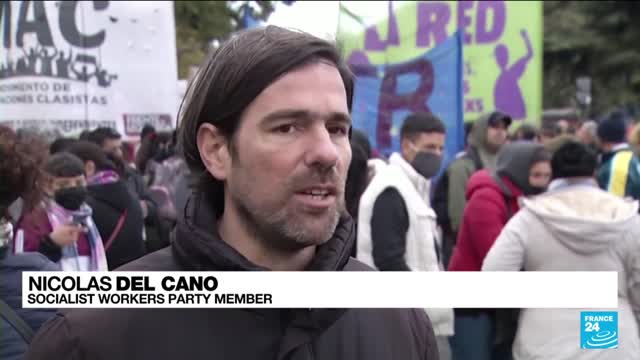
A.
pixel 54 340
pixel 507 253
pixel 486 219
pixel 148 205
pixel 459 174
pixel 520 66
pixel 424 334
pixel 389 226
pixel 634 286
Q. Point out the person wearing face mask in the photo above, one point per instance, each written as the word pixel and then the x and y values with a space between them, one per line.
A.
pixel 522 169
pixel 575 226
pixel 487 135
pixel 117 214
pixel 62 228
pixel 20 169
pixel 397 228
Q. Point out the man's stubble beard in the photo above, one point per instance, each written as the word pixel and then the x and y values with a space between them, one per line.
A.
pixel 283 229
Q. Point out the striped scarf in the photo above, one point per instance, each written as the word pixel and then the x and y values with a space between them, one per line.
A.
pixel 59 216
pixel 103 177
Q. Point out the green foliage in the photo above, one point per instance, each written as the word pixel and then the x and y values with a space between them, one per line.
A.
pixel 591 38
pixel 198 23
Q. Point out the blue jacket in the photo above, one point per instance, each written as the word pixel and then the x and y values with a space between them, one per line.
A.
pixel 12 345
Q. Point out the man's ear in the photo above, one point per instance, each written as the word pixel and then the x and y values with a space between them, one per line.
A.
pixel 214 151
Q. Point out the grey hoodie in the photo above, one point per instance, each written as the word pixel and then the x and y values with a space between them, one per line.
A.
pixel 515 160
pixel 574 228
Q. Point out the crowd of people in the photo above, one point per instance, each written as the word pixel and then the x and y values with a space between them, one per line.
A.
pixel 550 199
pixel 265 173
pixel 77 204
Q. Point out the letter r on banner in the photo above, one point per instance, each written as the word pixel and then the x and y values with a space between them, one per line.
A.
pixel 392 100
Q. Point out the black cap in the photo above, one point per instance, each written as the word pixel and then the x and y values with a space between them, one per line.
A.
pixel 498 118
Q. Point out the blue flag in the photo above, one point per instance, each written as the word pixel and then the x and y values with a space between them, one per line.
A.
pixel 248 20
pixel 386 94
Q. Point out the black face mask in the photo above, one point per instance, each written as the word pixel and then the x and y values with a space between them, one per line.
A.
pixel 536 190
pixel 71 198
pixel 427 164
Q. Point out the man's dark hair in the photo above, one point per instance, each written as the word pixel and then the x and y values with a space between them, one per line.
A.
pixel 89 151
pixel 147 129
pixel 60 145
pixel 573 159
pixel 360 139
pixel 550 130
pixel 64 164
pixel 102 134
pixel 526 132
pixel 418 123
pixel 231 78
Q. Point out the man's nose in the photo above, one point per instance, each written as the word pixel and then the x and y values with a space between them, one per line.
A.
pixel 322 150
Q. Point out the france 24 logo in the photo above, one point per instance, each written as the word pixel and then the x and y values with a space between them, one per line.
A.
pixel 599 329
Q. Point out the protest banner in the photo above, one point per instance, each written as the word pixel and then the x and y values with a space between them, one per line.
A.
pixel 502 45
pixel 67 66
pixel 432 82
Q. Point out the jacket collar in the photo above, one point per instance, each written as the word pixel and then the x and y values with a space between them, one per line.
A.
pixel 421 184
pixel 570 182
pixel 620 147
pixel 197 245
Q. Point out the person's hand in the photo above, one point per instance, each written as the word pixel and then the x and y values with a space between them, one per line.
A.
pixel 66 234
pixel 145 209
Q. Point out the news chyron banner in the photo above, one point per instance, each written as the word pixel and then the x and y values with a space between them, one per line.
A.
pixel 320 289
pixel 67 66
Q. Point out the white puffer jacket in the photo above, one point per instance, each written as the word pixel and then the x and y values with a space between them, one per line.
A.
pixel 422 235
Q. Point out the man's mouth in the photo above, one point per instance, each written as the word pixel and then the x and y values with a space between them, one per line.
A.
pixel 317 194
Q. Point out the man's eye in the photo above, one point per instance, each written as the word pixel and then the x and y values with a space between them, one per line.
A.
pixel 341 130
pixel 285 129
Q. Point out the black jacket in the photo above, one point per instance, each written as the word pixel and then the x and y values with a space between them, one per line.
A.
pixel 242 334
pixel 109 203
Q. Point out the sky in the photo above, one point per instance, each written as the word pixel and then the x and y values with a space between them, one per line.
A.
pixel 320 18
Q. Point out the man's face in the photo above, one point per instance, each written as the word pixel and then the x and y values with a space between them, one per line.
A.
pixel 496 135
pixel 113 147
pixel 585 136
pixel 289 159
pixel 540 174
pixel 432 142
pixel 59 183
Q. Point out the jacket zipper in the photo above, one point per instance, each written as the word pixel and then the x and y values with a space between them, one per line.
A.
pixel 310 349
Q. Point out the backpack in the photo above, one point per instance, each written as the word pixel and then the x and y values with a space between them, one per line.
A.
pixel 440 204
